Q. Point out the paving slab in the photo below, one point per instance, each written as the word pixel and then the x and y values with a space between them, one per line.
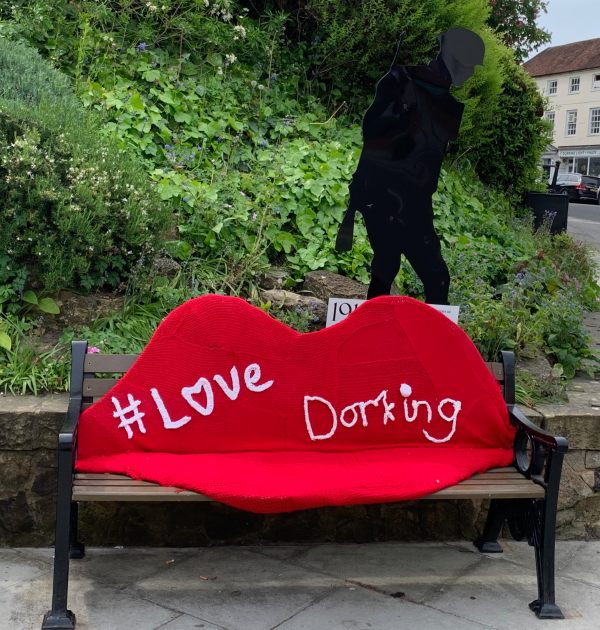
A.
pixel 96 606
pixel 123 567
pixel 187 622
pixel 236 588
pixel 584 565
pixel 523 554
pixel 416 570
pixel 490 594
pixel 360 609
pixel 15 568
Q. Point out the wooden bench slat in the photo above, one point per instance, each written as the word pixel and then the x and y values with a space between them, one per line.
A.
pixel 100 494
pixel 528 491
pixel 108 362
pixel 122 362
pixel 504 483
pixel 494 473
pixel 97 387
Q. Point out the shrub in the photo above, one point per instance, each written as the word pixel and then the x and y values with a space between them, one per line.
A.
pixel 79 213
pixel 508 158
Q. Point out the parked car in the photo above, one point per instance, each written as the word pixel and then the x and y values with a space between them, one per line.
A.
pixel 578 187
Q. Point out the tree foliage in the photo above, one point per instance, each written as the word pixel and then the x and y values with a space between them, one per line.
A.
pixel 509 158
pixel 516 23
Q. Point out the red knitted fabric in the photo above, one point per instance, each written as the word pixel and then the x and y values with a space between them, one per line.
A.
pixel 392 403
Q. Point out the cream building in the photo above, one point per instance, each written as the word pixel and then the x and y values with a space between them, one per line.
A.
pixel 569 76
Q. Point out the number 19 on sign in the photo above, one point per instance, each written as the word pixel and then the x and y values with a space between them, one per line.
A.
pixel 340 308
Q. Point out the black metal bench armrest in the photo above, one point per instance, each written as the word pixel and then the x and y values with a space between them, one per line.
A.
pixel 66 435
pixel 68 431
pixel 523 423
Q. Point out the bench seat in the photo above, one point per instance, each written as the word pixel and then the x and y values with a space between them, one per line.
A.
pixel 498 483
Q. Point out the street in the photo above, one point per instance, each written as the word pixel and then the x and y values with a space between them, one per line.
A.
pixel 584 223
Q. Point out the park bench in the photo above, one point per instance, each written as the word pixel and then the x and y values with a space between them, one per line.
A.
pixel 523 496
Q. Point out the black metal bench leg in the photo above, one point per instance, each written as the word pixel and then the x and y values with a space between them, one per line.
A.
pixel 543 538
pixel 488 541
pixel 59 617
pixel 76 547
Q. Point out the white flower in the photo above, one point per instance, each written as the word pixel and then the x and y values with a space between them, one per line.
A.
pixel 230 58
pixel 240 30
pixel 219 70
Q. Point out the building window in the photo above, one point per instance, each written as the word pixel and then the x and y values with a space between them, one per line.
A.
pixel 594 166
pixel 596 82
pixel 574 83
pixel 595 121
pixel 571 122
pixel 552 87
pixel 550 117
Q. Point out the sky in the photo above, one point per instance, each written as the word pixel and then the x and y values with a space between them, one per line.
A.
pixel 570 21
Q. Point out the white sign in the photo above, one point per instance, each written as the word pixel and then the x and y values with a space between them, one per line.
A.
pixel 579 153
pixel 339 308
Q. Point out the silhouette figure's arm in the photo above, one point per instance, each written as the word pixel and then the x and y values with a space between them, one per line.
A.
pixel 390 112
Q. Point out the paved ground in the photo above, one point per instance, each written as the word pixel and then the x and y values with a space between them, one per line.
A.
pixel 583 223
pixel 312 587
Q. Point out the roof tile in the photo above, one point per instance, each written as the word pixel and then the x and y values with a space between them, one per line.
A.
pixel 568 58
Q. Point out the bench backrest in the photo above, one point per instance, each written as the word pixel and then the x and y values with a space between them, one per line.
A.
pixel 97 367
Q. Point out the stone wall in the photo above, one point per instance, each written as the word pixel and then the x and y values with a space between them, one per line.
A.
pixel 28 433
pixel 28 430
pixel 579 422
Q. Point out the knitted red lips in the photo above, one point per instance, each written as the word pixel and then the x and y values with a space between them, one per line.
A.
pixel 392 403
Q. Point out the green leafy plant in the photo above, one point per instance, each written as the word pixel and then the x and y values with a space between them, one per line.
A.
pixel 78 212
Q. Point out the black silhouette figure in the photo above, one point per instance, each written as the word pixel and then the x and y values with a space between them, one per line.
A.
pixel 406 132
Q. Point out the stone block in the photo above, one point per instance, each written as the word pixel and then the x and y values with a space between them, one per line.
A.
pixel 44 473
pixel 572 488
pixel 592 459
pixel 17 428
pixel 15 515
pixel 16 471
pixel 326 284
pixel 51 416
pixel 576 459
pixel 579 423
pixel 313 306
pixel 588 509
pixel 274 278
pixel 589 477
pixel 30 422
pixel 565 517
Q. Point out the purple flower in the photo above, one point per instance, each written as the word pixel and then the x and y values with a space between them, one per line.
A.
pixel 93 350
pixel 254 216
pixel 142 46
